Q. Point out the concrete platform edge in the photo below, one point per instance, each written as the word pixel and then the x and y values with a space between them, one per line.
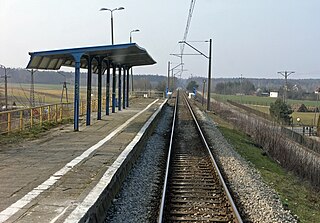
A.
pixel 95 205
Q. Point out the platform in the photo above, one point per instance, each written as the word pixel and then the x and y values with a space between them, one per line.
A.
pixel 47 179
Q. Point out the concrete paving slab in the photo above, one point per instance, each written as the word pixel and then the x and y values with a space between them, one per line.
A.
pixel 56 172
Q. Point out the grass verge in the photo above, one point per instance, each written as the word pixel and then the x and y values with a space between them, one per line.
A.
pixel 31 133
pixel 298 196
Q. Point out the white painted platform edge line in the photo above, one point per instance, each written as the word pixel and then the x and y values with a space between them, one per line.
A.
pixel 95 193
pixel 11 210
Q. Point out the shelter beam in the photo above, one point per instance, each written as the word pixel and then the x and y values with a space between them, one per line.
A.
pixel 127 92
pixel 89 87
pixel 124 88
pixel 114 88
pixel 108 88
pixel 99 87
pixel 77 58
pixel 119 89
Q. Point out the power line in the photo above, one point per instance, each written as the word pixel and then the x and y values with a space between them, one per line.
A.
pixel 32 71
pixel 192 4
pixel 5 85
pixel 64 87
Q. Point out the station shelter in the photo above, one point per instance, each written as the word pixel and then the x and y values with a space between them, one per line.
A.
pixel 100 60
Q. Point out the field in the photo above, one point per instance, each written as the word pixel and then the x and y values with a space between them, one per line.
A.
pixel 295 193
pixel 43 94
pixel 255 100
pixel 306 118
pixel 262 104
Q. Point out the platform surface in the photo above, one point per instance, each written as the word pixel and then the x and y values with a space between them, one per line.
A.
pixel 46 179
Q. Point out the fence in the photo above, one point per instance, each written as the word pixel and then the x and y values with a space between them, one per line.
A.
pixel 21 119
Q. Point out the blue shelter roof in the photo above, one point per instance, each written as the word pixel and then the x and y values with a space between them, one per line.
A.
pixel 129 55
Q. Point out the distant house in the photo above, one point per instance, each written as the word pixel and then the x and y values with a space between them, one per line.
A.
pixel 273 94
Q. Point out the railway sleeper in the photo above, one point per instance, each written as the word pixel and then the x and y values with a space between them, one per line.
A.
pixel 201 211
pixel 200 207
pixel 195 184
pixel 220 201
pixel 198 219
pixel 196 187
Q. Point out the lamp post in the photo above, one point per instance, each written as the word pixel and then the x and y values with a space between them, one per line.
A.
pixel 111 10
pixel 132 31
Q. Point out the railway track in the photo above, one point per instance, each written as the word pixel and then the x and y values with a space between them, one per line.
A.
pixel 194 190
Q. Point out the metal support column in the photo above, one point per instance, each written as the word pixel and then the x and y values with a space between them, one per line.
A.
pixel 108 88
pixel 127 92
pixel 209 76
pixel 99 87
pixel 114 80
pixel 119 89
pixel 77 58
pixel 89 85
pixel 124 88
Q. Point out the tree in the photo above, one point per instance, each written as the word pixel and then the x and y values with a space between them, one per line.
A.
pixel 281 112
pixel 161 86
pixel 191 85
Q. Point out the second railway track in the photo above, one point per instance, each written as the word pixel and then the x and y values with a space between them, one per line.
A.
pixel 194 190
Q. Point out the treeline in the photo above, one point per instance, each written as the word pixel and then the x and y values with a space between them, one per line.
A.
pixel 237 87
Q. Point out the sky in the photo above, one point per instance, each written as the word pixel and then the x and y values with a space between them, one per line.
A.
pixel 255 39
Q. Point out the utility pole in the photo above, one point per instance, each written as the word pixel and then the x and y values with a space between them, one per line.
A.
pixel 5 85
pixel 32 71
pixel 64 87
pixel 209 75
pixel 285 74
pixel 209 69
pixel 241 90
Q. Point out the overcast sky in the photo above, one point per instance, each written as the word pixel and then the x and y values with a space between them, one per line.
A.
pixel 255 38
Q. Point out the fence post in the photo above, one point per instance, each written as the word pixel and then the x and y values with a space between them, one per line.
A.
pixel 31 117
pixel 9 122
pixel 60 115
pixel 83 108
pixel 49 109
pixel 56 113
pixel 40 116
pixel 21 121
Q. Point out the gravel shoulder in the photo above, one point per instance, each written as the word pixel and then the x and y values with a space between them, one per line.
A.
pixel 257 202
pixel 140 194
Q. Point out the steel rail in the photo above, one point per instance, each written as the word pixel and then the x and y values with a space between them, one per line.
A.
pixel 160 217
pixel 233 206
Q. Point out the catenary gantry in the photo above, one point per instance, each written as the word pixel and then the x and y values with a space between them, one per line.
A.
pixel 106 59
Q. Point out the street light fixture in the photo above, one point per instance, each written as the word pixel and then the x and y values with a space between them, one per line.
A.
pixel 132 31
pixel 111 10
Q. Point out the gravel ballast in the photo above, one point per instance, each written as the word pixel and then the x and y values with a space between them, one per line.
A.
pixel 257 201
pixel 139 197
